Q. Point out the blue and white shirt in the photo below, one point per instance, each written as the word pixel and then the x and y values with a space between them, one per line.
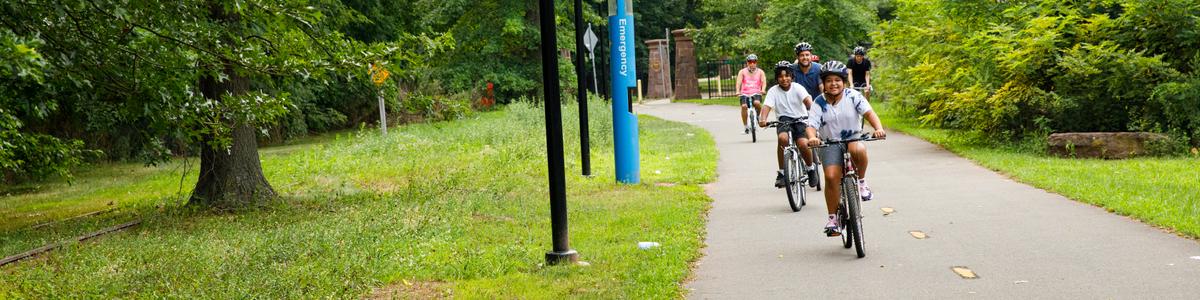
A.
pixel 841 121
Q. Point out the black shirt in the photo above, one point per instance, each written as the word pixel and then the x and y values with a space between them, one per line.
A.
pixel 860 70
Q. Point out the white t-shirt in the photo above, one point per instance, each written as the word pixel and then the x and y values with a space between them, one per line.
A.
pixel 841 121
pixel 788 103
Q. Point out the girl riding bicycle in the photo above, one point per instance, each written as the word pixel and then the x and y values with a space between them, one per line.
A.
pixel 751 85
pixel 838 116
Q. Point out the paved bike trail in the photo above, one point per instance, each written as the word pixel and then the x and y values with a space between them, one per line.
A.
pixel 1021 241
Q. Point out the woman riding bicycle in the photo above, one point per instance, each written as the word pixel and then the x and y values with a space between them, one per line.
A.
pixel 791 103
pixel 838 116
pixel 751 85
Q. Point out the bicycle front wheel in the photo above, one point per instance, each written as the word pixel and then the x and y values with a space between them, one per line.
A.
pixel 795 192
pixel 753 121
pixel 854 226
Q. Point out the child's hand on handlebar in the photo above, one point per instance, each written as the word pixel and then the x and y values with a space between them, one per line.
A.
pixel 814 142
pixel 762 123
pixel 879 134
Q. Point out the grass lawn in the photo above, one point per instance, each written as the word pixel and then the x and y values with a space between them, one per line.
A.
pixel 1160 191
pixel 729 101
pixel 450 208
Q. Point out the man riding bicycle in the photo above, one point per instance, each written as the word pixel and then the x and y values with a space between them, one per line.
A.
pixel 838 116
pixel 791 103
pixel 860 71
pixel 751 85
pixel 804 71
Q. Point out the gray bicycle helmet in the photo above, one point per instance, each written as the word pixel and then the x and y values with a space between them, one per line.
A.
pixel 751 57
pixel 783 65
pixel 803 46
pixel 834 67
pixel 860 50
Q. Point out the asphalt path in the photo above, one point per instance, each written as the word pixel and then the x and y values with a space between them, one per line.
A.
pixel 1020 241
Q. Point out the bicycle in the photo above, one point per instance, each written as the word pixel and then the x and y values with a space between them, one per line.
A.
pixel 794 172
pixel 849 213
pixel 863 90
pixel 752 115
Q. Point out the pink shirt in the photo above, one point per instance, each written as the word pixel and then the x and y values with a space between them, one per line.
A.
pixel 752 83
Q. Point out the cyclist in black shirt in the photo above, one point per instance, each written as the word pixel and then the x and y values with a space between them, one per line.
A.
pixel 860 71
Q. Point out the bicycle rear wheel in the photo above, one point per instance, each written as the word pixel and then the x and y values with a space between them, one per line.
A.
pixel 795 192
pixel 850 194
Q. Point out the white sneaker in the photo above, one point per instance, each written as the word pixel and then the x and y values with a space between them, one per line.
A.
pixel 864 190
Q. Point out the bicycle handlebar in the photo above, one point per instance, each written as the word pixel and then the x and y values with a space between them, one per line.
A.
pixel 780 123
pixel 866 137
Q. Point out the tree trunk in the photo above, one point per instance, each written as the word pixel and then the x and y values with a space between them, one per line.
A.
pixel 231 178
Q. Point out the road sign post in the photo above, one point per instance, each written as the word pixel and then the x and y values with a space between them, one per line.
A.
pixel 590 40
pixel 585 152
pixel 379 76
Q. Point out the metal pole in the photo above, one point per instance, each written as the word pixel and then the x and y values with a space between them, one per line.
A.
pixel 663 56
pixel 382 107
pixel 554 145
pixel 585 152
pixel 595 84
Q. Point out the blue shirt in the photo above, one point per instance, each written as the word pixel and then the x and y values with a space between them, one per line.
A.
pixel 811 81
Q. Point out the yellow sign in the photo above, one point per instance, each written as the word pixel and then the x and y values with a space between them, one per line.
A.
pixel 379 75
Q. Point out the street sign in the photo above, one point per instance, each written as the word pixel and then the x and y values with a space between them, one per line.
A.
pixel 589 39
pixel 378 74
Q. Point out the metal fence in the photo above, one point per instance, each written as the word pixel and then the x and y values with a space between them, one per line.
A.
pixel 716 78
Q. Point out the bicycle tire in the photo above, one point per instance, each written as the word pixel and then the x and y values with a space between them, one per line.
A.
pixel 795 182
pixel 843 219
pixel 753 120
pixel 850 189
pixel 789 183
pixel 816 164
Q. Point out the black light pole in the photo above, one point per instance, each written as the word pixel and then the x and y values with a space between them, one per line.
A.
pixel 585 153
pixel 554 145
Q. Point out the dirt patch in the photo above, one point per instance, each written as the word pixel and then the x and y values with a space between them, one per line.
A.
pixel 491 218
pixel 413 290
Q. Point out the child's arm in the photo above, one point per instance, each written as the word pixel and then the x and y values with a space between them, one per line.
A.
pixel 874 120
pixel 762 116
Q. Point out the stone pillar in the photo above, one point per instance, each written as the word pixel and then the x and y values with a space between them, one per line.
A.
pixel 686 86
pixel 658 76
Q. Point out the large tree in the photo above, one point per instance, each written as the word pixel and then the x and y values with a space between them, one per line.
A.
pixel 771 28
pixel 202 71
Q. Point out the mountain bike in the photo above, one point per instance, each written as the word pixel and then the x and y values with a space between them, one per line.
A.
pixel 752 115
pixel 793 166
pixel 849 210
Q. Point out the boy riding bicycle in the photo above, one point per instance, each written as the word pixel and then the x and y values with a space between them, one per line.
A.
pixel 751 85
pixel 791 103
pixel 838 116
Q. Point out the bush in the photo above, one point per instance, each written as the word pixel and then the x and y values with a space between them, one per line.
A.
pixel 1015 68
